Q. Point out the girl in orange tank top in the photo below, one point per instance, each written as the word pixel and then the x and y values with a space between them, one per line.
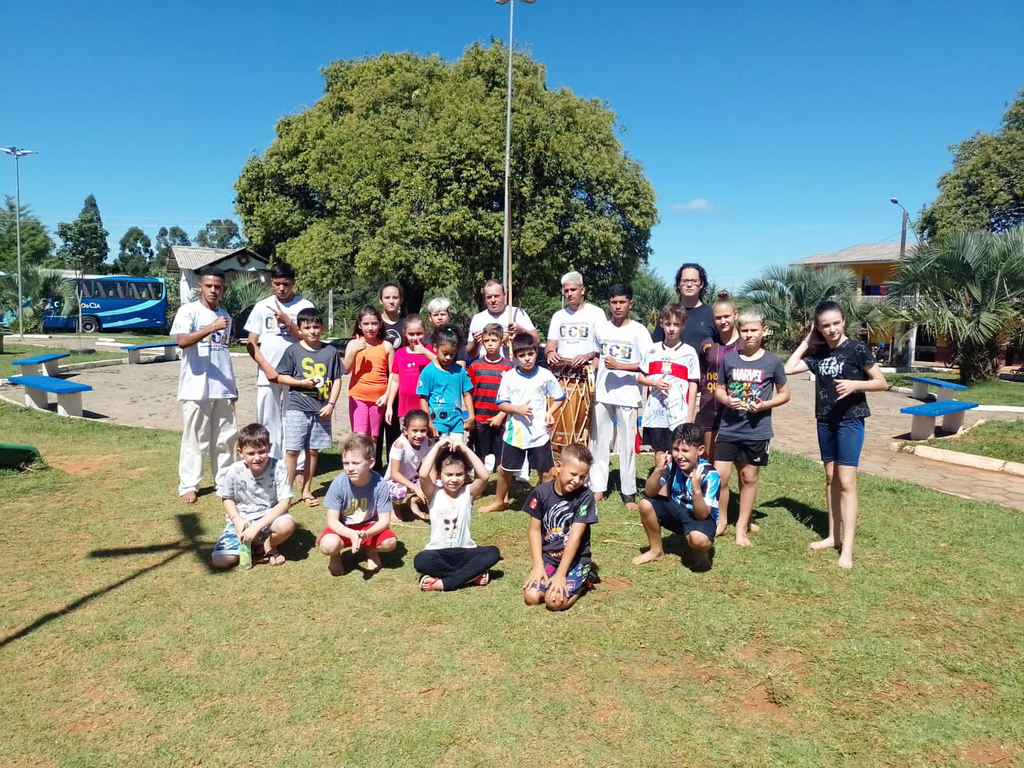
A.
pixel 369 359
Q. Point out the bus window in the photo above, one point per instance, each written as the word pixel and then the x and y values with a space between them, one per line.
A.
pixel 114 289
pixel 85 288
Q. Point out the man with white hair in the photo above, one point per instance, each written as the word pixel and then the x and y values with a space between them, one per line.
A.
pixel 572 335
pixel 496 310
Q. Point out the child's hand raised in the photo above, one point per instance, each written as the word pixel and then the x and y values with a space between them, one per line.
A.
pixel 661 461
pixel 814 338
pixel 696 477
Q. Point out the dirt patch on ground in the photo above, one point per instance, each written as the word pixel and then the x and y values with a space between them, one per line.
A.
pixel 615 583
pixel 975 689
pixel 766 699
pixel 988 752
pixel 83 465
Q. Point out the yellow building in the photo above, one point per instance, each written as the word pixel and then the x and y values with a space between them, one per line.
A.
pixel 875 267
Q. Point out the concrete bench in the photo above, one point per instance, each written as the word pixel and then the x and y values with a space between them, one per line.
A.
pixel 69 393
pixel 31 366
pixel 946 388
pixel 170 351
pixel 923 425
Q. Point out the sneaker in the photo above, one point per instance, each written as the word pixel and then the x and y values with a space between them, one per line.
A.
pixel 489 462
pixel 524 474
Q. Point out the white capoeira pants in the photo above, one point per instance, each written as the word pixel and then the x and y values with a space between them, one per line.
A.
pixel 271 406
pixel 602 428
pixel 209 427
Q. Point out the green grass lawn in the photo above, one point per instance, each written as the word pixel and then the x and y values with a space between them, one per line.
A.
pixel 20 351
pixel 998 439
pixel 991 392
pixel 119 646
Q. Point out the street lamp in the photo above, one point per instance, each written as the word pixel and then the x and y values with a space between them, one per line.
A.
pixel 17 154
pixel 506 256
pixel 903 231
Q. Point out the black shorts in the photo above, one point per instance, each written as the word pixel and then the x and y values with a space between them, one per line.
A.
pixel 745 451
pixel 487 441
pixel 680 520
pixel 540 458
pixel 659 438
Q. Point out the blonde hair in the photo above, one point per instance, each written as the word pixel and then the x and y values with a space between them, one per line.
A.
pixel 572 278
pixel 439 304
pixel 750 316
pixel 360 444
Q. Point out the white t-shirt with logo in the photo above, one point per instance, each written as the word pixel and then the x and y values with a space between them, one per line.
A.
pixel 626 344
pixel 679 366
pixel 206 372
pixel 576 332
pixel 533 390
pixel 274 337
pixel 504 318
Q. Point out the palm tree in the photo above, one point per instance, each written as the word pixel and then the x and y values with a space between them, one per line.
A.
pixel 787 296
pixel 650 295
pixel 241 293
pixel 967 287
pixel 39 287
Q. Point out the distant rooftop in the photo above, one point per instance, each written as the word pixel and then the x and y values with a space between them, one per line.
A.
pixel 878 253
pixel 190 257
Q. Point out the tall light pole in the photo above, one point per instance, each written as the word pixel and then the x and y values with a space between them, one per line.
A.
pixel 18 154
pixel 903 231
pixel 506 255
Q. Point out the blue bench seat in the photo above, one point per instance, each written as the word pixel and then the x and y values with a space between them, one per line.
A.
pixel 946 388
pixel 170 351
pixel 69 393
pixel 31 366
pixel 951 411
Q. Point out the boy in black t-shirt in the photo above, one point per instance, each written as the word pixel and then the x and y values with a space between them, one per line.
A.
pixel 312 372
pixel 561 513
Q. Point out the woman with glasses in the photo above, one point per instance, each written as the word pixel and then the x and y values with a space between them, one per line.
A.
pixel 691 285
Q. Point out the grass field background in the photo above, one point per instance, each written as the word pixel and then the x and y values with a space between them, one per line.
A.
pixel 997 439
pixel 119 646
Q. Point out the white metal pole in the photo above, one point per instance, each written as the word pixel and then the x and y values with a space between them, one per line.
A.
pixel 506 255
pixel 17 229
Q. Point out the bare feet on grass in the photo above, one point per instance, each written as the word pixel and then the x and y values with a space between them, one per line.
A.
pixel 496 506
pixel 632 506
pixel 373 563
pixel 648 557
pixel 742 540
pixel 721 529
pixel 845 562
pixel 336 566
pixel 701 561
pixel 189 497
pixel 753 528
pixel 826 543
pixel 599 496
pixel 274 557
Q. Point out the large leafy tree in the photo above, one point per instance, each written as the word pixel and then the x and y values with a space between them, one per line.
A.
pixel 36 244
pixel 220 233
pixel 84 241
pixel 165 238
pixel 787 296
pixel 968 287
pixel 397 173
pixel 985 189
pixel 135 254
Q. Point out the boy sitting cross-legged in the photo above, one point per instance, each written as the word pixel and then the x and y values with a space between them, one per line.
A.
pixel 256 495
pixel 670 501
pixel 561 513
pixel 358 505
pixel 523 394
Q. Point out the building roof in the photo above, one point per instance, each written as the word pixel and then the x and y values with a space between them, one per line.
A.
pixel 190 257
pixel 879 253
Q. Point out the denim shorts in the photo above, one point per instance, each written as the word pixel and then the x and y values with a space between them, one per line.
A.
pixel 841 441
pixel 303 429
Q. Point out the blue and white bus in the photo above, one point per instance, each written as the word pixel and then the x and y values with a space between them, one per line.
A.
pixel 113 303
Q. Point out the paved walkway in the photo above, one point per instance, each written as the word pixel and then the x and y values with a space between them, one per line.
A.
pixel 796 433
pixel 144 395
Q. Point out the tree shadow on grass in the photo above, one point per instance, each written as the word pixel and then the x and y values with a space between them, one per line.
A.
pixel 190 542
pixel 814 518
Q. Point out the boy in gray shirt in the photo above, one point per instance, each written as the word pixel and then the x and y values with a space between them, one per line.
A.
pixel 312 372
pixel 256 495
pixel 750 383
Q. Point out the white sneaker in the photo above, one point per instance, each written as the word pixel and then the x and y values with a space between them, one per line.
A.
pixel 489 462
pixel 524 473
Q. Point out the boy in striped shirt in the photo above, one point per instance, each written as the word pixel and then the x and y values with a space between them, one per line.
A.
pixel 485 374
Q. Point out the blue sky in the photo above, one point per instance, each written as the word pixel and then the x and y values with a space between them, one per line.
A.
pixel 769 134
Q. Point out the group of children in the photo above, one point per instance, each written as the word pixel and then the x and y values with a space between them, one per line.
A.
pixel 509 408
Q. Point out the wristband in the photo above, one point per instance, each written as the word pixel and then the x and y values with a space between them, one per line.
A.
pixel 333 405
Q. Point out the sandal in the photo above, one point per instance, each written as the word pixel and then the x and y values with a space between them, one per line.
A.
pixel 482 580
pixel 311 501
pixel 428 584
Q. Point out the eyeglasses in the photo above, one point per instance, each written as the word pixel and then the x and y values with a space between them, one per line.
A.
pixel 689 282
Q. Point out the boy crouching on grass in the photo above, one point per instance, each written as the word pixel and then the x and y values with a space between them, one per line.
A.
pixel 256 494
pixel 670 500
pixel 358 505
pixel 561 513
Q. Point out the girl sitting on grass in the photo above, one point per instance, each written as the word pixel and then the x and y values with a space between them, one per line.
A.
pixel 452 559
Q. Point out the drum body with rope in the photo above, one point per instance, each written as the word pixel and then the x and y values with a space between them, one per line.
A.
pixel 572 425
